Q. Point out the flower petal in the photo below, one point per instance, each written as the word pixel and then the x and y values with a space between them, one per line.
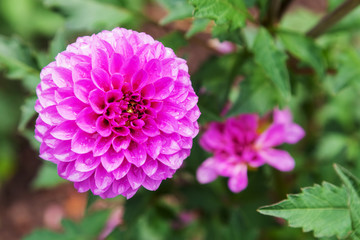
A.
pixel 136 177
pixel 65 131
pixel 101 79
pixel 103 179
pixel 167 123
pixel 153 146
pixel 51 116
pixel 121 142
pixel 163 87
pixel 83 142
pixel 122 170
pixel 97 101
pixel 135 154
pixel 86 162
pixel 86 120
pixel 67 171
pixel 62 77
pixel 70 107
pixel 103 126
pixel 102 145
pixel 112 160
pixel 116 62
pixel 239 180
pixel 278 159
pixel 206 172
pixel 82 89
pixel 139 79
pixel 150 166
pixel 151 184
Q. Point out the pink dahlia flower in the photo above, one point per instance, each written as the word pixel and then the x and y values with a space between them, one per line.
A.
pixel 239 143
pixel 116 112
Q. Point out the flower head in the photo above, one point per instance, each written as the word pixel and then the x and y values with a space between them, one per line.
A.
pixel 116 112
pixel 238 144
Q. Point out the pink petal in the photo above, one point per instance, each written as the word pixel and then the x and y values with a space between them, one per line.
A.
pixel 278 159
pixel 130 67
pixel 150 167
pixel 151 184
pixel 103 179
pixel 121 142
pixel 275 135
pixel 121 131
pixel 101 79
pixel 116 62
pixel 99 59
pixel 175 110
pixel 63 152
pixel 174 161
pixel 167 123
pixel 70 107
pixel 82 89
pixel 239 181
pixel 163 87
pixel 117 81
pixel 139 79
pixel 121 185
pixel 86 162
pixel 81 71
pixel 46 97
pixel 186 128
pixel 97 101
pixel 213 138
pixel 294 133
pixel 136 177
pixel 112 160
pixel 135 154
pixel 150 128
pixel 67 171
pixel 163 172
pixel 82 186
pixel 122 170
pixel 169 146
pixel 148 91
pixel 282 116
pixel 51 116
pixel 63 93
pixel 102 145
pixel 83 142
pixel 113 96
pixel 153 68
pixel 103 126
pixel 86 120
pixel 65 131
pixel 153 146
pixel 62 77
pixel 138 136
pixel 206 172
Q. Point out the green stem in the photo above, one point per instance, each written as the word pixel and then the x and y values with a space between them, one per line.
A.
pixel 332 18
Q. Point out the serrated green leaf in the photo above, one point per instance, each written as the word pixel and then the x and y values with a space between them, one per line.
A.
pixel 352 185
pixel 198 25
pixel 47 176
pixel 272 61
pixel 178 9
pixel 305 49
pixel 27 112
pixel 322 209
pixel 91 15
pixel 233 13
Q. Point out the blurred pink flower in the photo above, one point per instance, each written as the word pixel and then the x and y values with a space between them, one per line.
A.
pixel 238 143
pixel 116 112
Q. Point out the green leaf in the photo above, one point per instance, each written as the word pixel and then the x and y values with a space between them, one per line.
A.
pixel 174 40
pixel 17 60
pixel 178 9
pixel 91 199
pixel 305 49
pixel 44 234
pixel 90 15
pixel 272 61
pixel 198 25
pixel 348 71
pixel 58 44
pixel 27 112
pixel 93 223
pixel 233 13
pixel 47 177
pixel 322 209
pixel 352 185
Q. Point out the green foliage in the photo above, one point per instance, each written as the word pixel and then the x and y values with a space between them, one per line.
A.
pixel 272 60
pixel 90 15
pixel 230 12
pixel 89 228
pixel 178 9
pixel 322 209
pixel 198 25
pixel 47 176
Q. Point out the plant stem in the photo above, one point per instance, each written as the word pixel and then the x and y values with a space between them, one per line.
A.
pixel 272 13
pixel 333 17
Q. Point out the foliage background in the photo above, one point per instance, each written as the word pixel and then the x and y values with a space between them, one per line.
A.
pixel 274 64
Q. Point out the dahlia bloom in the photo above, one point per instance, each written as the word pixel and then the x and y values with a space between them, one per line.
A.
pixel 238 143
pixel 116 112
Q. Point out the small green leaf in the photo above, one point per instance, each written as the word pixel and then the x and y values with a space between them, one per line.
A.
pixel 305 49
pixel 272 61
pixel 233 13
pixel 47 176
pixel 27 112
pixel 178 9
pixel 352 185
pixel 44 234
pixel 90 15
pixel 322 209
pixel 198 25
pixel 58 44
